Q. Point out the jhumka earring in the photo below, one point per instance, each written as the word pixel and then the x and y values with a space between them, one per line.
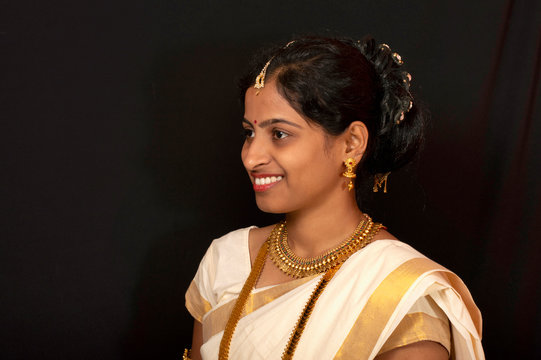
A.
pixel 350 174
pixel 379 181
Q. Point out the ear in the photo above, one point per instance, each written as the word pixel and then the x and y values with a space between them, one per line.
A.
pixel 356 139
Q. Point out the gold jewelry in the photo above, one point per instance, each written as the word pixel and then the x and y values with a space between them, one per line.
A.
pixel 398 60
pixel 283 257
pixel 187 354
pixel 307 311
pixel 234 318
pixel 350 165
pixel 260 79
pixel 379 181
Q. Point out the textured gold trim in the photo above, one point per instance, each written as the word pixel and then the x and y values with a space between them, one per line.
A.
pixel 371 321
pixel 417 327
pixel 236 313
pixel 195 303
pixel 216 320
pixel 257 300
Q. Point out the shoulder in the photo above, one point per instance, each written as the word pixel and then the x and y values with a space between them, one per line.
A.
pixel 390 248
pixel 231 247
pixel 250 238
pixel 389 259
pixel 224 266
pixel 256 238
pixel 383 234
pixel 232 237
pixel 386 245
pixel 232 241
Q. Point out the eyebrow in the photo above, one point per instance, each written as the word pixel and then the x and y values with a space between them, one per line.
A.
pixel 269 122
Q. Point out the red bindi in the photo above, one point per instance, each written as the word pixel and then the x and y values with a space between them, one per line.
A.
pixel 255 121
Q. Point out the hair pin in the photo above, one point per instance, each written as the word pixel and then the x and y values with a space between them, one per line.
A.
pixel 397 58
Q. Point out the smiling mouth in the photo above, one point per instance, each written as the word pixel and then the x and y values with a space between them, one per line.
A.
pixel 264 183
pixel 267 180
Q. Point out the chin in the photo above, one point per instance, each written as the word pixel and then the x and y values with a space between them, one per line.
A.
pixel 270 206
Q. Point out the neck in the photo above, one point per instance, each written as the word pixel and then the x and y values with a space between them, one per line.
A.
pixel 312 232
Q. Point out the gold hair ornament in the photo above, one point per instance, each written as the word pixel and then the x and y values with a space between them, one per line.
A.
pixel 350 174
pixel 379 181
pixel 260 79
pixel 398 60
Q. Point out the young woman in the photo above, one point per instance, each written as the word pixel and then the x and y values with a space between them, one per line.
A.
pixel 321 115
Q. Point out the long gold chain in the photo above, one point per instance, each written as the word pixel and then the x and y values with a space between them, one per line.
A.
pixel 297 267
pixel 306 312
pixel 241 300
pixel 303 319
pixel 368 237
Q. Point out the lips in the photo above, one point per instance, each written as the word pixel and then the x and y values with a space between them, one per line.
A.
pixel 265 182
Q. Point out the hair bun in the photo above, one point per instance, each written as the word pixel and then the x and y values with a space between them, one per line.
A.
pixel 397 100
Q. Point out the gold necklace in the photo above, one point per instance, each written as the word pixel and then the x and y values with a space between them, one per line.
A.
pixel 297 267
pixel 307 311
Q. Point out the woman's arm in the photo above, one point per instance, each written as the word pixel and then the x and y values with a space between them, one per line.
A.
pixel 197 340
pixel 422 350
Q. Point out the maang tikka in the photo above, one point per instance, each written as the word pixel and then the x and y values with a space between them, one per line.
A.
pixel 350 173
pixel 260 79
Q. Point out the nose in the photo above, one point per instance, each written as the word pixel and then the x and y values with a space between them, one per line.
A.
pixel 255 153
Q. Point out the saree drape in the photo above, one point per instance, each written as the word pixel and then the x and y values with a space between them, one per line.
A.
pixel 377 295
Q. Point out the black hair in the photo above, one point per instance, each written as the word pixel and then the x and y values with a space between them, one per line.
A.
pixel 335 81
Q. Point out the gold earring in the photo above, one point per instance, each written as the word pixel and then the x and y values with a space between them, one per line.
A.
pixel 379 181
pixel 350 165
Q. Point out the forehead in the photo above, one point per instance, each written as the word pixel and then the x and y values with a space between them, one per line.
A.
pixel 269 104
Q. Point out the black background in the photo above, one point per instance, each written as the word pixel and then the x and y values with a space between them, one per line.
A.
pixel 121 160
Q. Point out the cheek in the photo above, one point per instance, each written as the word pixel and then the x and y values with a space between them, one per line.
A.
pixel 328 170
pixel 313 168
pixel 243 153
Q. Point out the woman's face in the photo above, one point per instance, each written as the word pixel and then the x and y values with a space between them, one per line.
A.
pixel 293 165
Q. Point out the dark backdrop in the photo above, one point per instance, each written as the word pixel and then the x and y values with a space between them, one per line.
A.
pixel 120 160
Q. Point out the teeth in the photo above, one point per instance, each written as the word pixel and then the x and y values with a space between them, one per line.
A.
pixel 267 180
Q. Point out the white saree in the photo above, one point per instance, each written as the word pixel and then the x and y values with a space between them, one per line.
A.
pixel 384 296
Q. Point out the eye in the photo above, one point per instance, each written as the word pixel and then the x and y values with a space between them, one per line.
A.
pixel 247 133
pixel 278 134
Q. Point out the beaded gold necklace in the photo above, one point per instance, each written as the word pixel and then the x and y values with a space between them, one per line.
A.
pixel 297 267
pixel 366 237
